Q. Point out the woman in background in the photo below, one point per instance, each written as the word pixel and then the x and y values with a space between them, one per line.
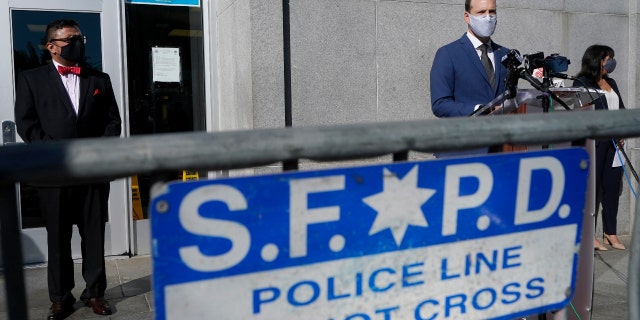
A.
pixel 597 64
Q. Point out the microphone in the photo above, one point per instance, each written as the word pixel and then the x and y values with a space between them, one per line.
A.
pixel 562 76
pixel 532 80
pixel 512 59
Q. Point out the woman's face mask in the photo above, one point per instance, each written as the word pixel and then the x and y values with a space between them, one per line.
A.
pixel 483 26
pixel 610 65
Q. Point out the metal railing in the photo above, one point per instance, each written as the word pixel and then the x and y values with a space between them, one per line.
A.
pixel 11 238
pixel 111 158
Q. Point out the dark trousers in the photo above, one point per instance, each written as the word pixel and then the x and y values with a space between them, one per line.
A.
pixel 87 207
pixel 608 181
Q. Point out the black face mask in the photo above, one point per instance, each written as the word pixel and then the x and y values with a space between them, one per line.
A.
pixel 74 51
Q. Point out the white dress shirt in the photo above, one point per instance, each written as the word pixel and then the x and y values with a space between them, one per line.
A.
pixel 477 43
pixel 72 84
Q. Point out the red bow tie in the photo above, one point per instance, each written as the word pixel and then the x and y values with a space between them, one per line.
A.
pixel 66 70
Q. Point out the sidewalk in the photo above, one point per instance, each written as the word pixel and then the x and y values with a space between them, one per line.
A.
pixel 128 291
pixel 610 298
pixel 129 288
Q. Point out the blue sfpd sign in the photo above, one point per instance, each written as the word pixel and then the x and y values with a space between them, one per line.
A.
pixel 474 238
pixel 186 3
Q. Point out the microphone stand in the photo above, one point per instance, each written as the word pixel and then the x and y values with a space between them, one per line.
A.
pixel 633 170
pixel 546 84
pixel 544 88
pixel 511 82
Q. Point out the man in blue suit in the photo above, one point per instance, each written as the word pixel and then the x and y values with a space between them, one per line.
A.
pixel 463 76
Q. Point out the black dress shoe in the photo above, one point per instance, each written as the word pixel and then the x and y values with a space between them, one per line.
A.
pixel 60 310
pixel 99 305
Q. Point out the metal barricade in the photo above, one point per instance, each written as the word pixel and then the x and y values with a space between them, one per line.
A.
pixel 48 163
pixel 10 235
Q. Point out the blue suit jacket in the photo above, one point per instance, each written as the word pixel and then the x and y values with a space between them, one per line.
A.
pixel 458 80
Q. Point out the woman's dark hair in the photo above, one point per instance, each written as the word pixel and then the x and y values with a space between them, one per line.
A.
pixel 57 25
pixel 592 62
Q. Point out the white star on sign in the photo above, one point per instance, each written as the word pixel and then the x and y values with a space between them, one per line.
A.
pixel 398 205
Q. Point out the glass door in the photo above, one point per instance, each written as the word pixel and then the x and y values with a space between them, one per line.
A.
pixel 99 21
pixel 166 93
pixel 164 104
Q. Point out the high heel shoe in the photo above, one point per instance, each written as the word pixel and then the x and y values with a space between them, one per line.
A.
pixel 613 241
pixel 598 246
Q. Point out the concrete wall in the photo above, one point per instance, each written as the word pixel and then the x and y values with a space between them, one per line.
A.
pixel 365 61
pixel 231 50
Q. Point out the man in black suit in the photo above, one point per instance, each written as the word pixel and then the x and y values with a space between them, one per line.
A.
pixel 67 100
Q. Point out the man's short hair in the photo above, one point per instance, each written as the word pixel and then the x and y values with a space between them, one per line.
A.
pixel 467 5
pixel 59 24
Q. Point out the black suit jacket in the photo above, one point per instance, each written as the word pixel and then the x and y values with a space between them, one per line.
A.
pixel 43 109
pixel 601 102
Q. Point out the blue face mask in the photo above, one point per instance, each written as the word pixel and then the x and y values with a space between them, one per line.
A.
pixel 610 65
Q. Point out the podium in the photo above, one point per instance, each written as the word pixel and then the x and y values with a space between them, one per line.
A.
pixel 531 101
pixel 577 99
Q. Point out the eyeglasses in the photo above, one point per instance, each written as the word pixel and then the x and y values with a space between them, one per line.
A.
pixel 71 39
